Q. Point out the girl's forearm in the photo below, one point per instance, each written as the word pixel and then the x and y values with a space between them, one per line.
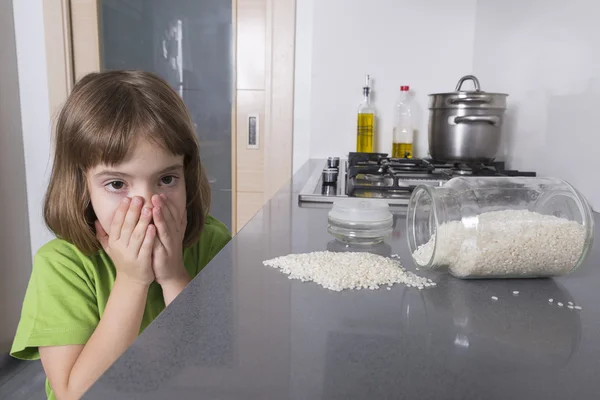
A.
pixel 171 289
pixel 117 330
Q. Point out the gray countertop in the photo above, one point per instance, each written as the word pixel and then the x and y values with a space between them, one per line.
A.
pixel 241 330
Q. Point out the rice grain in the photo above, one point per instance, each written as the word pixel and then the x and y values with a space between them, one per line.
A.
pixel 347 270
pixel 506 243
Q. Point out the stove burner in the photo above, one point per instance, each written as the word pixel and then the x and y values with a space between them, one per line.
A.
pixel 374 178
pixel 354 158
pixel 462 172
pixel 379 176
pixel 369 194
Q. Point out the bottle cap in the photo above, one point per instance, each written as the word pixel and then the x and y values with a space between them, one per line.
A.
pixel 404 88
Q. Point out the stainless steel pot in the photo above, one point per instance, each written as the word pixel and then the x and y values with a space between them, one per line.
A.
pixel 464 126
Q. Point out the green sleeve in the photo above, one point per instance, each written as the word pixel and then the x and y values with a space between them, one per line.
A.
pixel 220 236
pixel 213 238
pixel 60 306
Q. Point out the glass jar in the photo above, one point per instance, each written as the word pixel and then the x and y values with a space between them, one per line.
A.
pixel 360 221
pixel 500 227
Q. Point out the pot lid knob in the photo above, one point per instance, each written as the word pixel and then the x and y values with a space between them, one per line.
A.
pixel 468 78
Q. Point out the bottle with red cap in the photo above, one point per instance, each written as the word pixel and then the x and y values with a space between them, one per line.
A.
pixel 403 126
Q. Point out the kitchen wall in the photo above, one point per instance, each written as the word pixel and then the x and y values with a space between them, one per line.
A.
pixel 426 44
pixel 35 113
pixel 15 261
pixel 24 149
pixel 302 82
pixel 546 55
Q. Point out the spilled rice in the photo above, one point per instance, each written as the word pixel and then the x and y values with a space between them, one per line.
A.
pixel 347 270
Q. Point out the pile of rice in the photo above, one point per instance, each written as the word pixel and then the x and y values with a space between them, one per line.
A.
pixel 348 270
pixel 507 243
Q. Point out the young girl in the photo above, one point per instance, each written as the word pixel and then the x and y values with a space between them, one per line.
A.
pixel 128 200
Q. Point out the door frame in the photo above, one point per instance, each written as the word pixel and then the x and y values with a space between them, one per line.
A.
pixel 59 55
pixel 73 50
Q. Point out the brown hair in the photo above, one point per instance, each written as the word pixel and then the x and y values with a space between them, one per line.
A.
pixel 100 121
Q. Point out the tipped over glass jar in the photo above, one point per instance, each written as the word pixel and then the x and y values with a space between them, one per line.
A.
pixel 500 227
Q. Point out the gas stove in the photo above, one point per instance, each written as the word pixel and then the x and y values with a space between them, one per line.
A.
pixel 377 176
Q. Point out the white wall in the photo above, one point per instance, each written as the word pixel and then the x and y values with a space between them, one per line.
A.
pixel 426 44
pixel 24 152
pixel 35 113
pixel 15 262
pixel 543 53
pixel 302 82
pixel 546 55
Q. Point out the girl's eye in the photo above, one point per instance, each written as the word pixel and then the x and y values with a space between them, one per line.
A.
pixel 115 186
pixel 168 180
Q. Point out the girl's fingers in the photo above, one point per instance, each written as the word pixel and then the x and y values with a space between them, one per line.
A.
pixel 158 247
pixel 139 233
pixel 148 244
pixel 183 222
pixel 164 230
pixel 101 235
pixel 170 206
pixel 157 244
pixel 117 222
pixel 166 211
pixel 131 219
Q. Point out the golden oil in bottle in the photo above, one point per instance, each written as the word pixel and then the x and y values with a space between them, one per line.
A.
pixel 364 131
pixel 403 135
pixel 365 125
pixel 402 150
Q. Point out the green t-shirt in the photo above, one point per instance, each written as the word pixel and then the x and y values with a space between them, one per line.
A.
pixel 68 292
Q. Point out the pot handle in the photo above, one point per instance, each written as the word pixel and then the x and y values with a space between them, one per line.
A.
pixel 469 119
pixel 469 100
pixel 468 78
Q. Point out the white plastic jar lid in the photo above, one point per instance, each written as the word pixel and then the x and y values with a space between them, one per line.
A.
pixel 361 210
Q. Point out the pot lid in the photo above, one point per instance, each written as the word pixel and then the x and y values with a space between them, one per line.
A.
pixel 468 98
pixel 462 80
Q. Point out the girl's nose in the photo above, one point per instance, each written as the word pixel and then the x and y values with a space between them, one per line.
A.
pixel 148 200
pixel 146 197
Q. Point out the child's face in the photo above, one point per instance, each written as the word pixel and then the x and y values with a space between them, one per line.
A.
pixel 147 170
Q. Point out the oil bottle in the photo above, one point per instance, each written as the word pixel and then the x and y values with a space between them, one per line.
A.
pixel 365 127
pixel 403 126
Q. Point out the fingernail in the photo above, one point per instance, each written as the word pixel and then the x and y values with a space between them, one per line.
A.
pixel 157 210
pixel 146 211
pixel 137 201
pixel 126 200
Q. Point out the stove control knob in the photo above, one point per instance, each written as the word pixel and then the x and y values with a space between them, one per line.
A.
pixel 330 176
pixel 333 162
